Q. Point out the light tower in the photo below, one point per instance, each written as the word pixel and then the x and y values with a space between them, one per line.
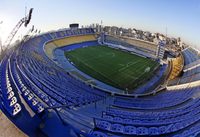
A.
pixel 25 21
pixel 102 34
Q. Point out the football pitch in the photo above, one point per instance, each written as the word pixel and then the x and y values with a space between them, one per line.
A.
pixel 111 66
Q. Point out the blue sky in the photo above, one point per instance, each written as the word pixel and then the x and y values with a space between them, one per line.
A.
pixel 181 17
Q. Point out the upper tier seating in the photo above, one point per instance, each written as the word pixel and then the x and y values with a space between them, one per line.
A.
pixel 51 46
pixel 140 47
pixel 190 55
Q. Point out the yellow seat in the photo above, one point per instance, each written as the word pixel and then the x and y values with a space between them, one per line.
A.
pixel 50 46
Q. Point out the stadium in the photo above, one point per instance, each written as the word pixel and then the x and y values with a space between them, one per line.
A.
pixel 80 82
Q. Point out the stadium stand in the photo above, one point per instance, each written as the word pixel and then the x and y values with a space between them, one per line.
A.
pixel 11 103
pixel 66 41
pixel 177 67
pixel 141 47
pixel 43 99
pixel 190 55
pixel 190 70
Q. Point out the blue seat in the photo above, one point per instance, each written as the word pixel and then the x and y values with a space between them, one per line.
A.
pixel 98 134
pixel 117 128
pixel 127 121
pixel 153 131
pixel 118 119
pixel 162 129
pixel 142 131
pixel 130 130
pixel 103 125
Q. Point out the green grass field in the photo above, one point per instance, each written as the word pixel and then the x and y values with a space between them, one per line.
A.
pixel 114 67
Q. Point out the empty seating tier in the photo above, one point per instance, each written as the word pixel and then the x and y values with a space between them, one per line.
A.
pixel 43 99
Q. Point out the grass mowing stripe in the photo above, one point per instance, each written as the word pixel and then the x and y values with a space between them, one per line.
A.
pixel 117 68
pixel 89 67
